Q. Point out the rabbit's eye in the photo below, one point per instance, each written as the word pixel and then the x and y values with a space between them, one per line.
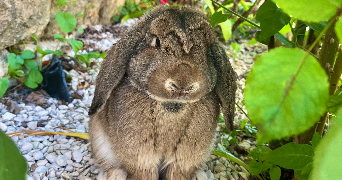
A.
pixel 193 87
pixel 155 42
pixel 171 86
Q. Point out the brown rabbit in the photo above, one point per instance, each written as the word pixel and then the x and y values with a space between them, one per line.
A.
pixel 158 98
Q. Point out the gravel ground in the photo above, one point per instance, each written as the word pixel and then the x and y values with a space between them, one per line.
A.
pixel 61 157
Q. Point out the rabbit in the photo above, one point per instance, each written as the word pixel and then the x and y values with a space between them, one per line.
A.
pixel 158 97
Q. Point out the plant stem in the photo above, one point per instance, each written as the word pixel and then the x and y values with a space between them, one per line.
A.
pixel 245 14
pixel 242 111
pixel 236 14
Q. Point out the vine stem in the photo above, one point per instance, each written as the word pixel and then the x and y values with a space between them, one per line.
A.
pixel 236 14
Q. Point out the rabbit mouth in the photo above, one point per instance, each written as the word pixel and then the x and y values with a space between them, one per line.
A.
pixel 173 107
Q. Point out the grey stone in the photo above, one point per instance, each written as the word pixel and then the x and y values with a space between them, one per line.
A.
pixel 32 125
pixel 42 162
pixel 38 155
pixel 77 156
pixel 8 116
pixel 51 158
pixel 41 169
pixel 3 127
pixel 61 160
pixel 27 147
pixel 69 168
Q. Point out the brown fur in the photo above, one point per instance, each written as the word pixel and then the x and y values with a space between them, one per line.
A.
pixel 158 98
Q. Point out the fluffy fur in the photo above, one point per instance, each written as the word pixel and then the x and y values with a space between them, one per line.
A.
pixel 158 97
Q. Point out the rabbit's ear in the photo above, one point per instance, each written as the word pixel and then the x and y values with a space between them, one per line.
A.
pixel 226 84
pixel 113 68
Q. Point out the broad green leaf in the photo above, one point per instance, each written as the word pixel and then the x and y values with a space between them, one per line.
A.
pixel 84 58
pixel 27 54
pixel 35 37
pixel 40 50
pixel 133 15
pixel 19 60
pixel 338 29
pixel 66 21
pixel 19 73
pixel 76 45
pixel 299 176
pixel 31 64
pixel 103 55
pixel 315 140
pixel 307 169
pixel 257 167
pixel 210 5
pixel 327 159
pixel 291 156
pixel 33 79
pixel 271 19
pixel 226 28
pixel 124 11
pixel 279 84
pixel 217 18
pixel 116 18
pixel 237 49
pixel 80 15
pixel 4 82
pixel 310 10
pixel 252 42
pixel 275 173
pixel 80 30
pixel 335 101
pixel 12 164
pixel 61 3
pixel 57 52
pixel 59 37
pixel 260 153
pixel 318 27
pixel 12 61
pixel 285 29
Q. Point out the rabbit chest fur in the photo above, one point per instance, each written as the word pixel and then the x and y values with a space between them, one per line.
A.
pixel 158 97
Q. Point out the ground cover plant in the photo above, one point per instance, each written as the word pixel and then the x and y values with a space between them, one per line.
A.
pixel 292 93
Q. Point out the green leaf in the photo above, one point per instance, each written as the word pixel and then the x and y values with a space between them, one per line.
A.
pixel 229 156
pixel 335 101
pixel 19 60
pixel 59 37
pixel 12 164
pixel 116 18
pixel 315 140
pixel 76 45
pixel 291 156
pixel 338 29
pixel 299 176
pixel 31 64
pixel 57 52
pixel 124 11
pixel 271 19
pixel 260 153
pixel 4 82
pixel 327 159
pixel 217 18
pixel 252 42
pixel 237 49
pixel 12 61
pixel 310 10
pixel 19 73
pixel 257 167
pixel 80 30
pixel 40 50
pixel 307 169
pixel 35 37
pixel 103 55
pixel 226 28
pixel 279 84
pixel 318 27
pixel 27 54
pixel 80 15
pixel 285 29
pixel 61 3
pixel 66 21
pixel 33 79
pixel 210 5
pixel 275 173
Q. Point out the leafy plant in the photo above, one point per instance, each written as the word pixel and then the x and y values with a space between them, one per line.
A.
pixel 131 9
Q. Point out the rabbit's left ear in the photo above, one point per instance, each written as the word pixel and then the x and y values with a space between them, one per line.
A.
pixel 226 84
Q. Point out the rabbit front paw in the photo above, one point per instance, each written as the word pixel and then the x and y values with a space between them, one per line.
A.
pixel 113 174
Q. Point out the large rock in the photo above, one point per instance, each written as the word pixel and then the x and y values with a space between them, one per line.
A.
pixel 21 19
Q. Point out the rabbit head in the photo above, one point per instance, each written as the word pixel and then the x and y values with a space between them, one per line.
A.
pixel 172 55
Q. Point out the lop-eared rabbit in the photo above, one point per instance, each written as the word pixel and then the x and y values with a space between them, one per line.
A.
pixel 158 97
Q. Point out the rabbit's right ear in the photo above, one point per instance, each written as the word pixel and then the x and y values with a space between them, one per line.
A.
pixel 113 68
